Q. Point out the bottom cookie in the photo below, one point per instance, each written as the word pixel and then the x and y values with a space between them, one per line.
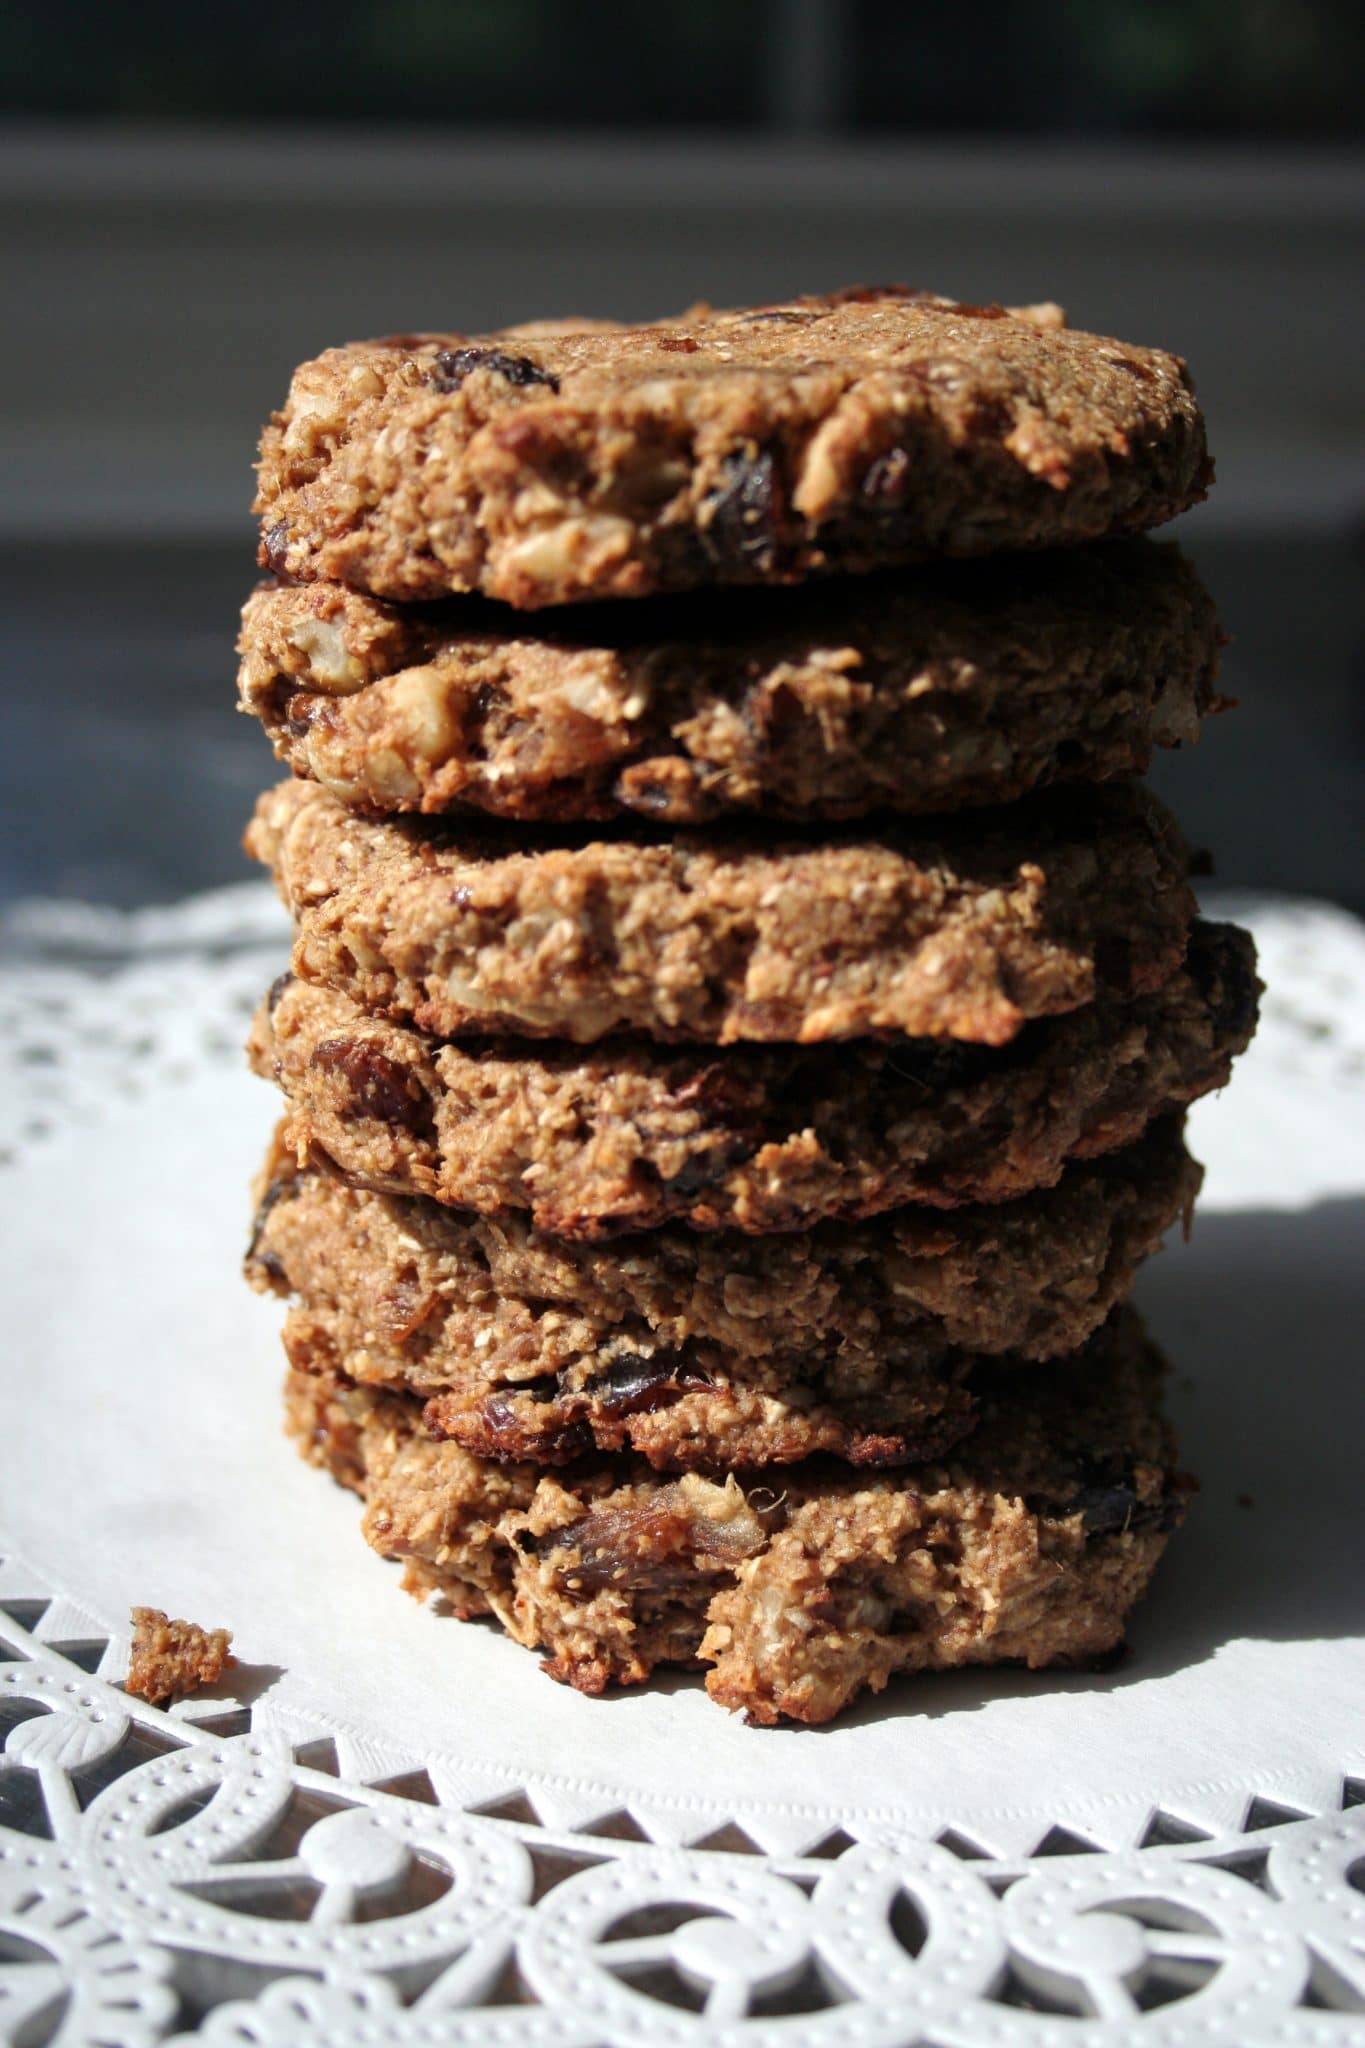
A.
pixel 1028 1544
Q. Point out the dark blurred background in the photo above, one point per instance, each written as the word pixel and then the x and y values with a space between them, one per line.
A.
pixel 193 199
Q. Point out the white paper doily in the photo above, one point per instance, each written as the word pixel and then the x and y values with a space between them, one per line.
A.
pixel 392 1829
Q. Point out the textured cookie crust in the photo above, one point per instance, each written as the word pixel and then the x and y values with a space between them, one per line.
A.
pixel 1028 1544
pixel 705 1352
pixel 763 445
pixel 627 1135
pixel 963 931
pixel 921 691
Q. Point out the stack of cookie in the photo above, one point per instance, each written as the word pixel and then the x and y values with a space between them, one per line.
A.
pixel 737 1039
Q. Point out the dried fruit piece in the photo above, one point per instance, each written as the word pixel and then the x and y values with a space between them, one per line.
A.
pixel 275 547
pixel 379 1086
pixel 741 535
pixel 633 1384
pixel 450 368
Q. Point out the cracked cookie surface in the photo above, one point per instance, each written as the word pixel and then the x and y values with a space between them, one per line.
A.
pixel 765 444
pixel 919 691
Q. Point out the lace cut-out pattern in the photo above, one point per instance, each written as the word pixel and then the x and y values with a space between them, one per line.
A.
pixel 167 1875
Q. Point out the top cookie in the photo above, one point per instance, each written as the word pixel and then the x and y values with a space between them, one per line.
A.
pixel 546 464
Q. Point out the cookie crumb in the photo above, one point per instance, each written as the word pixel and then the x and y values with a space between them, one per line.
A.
pixel 171 1659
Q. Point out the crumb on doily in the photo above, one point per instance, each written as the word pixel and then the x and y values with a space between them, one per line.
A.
pixel 173 1658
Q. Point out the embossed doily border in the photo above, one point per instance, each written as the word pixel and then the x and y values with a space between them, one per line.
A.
pixel 189 1864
